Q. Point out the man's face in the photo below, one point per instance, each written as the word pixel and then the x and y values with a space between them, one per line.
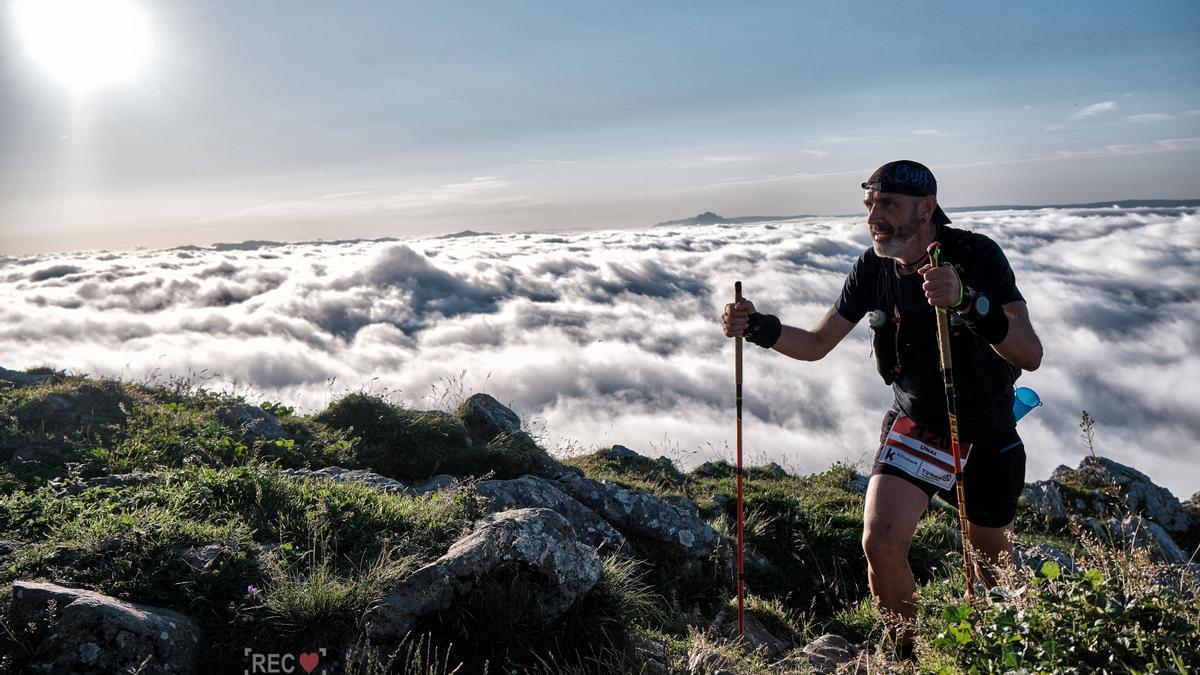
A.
pixel 895 222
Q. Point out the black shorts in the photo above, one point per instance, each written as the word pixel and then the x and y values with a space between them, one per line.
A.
pixel 993 477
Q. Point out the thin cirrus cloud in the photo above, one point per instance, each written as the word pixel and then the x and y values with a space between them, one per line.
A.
pixel 1094 109
pixel 1088 111
pixel 606 337
pixel 480 191
pixel 1148 118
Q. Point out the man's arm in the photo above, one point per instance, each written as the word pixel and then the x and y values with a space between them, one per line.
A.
pixel 794 342
pixel 1021 346
pixel 815 344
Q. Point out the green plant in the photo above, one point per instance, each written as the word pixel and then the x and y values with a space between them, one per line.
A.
pixel 1115 616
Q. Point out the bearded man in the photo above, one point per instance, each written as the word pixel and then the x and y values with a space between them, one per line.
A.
pixel 991 342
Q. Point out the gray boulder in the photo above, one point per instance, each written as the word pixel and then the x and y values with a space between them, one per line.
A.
pixel 22 379
pixel 774 470
pixel 361 476
pixel 1140 494
pixel 484 418
pixel 539 542
pixel 1144 534
pixel 859 483
pixel 438 483
pixel 758 638
pixel 116 480
pixel 534 492
pixel 1044 496
pixel 252 419
pixel 829 653
pixel 705 657
pixel 94 633
pixel 719 469
pixel 1034 557
pixel 619 452
pixel 1192 506
pixel 644 515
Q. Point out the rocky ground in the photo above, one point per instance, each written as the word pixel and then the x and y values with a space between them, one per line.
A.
pixel 160 529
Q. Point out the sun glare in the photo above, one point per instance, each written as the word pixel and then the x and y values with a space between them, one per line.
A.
pixel 85 44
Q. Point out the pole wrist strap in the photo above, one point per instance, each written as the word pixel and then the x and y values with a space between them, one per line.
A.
pixel 763 330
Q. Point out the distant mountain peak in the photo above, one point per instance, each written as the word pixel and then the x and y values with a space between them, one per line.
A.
pixel 710 218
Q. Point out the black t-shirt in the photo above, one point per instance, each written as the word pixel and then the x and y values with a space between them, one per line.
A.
pixel 906 348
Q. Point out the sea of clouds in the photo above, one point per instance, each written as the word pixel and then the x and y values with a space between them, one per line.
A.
pixel 613 337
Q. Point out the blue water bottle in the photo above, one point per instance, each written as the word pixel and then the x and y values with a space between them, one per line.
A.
pixel 1024 400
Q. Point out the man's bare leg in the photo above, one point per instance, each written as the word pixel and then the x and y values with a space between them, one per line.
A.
pixel 991 545
pixel 890 516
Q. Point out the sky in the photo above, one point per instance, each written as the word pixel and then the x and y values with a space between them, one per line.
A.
pixel 226 120
pixel 602 337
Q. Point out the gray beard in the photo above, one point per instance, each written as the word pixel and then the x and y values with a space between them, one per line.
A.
pixel 894 247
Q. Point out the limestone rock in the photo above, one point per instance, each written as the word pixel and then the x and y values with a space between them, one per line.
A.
pixel 705 659
pixel 1145 534
pixel 619 452
pixel 1034 557
pixel 1045 497
pixel 22 379
pixel 829 652
pixel 539 542
pixel 95 633
pixel 774 470
pixel 1192 506
pixel 202 557
pixel 116 480
pixel 438 483
pixel 1140 494
pixel 644 515
pixel 534 492
pixel 253 419
pixel 339 475
pixel 721 469
pixel 758 638
pixel 485 417
pixel 859 483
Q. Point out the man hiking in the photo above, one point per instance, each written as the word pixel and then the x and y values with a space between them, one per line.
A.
pixel 991 342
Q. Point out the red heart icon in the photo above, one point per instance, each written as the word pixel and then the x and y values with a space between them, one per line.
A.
pixel 308 661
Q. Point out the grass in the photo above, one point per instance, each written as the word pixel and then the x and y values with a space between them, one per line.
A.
pixel 214 529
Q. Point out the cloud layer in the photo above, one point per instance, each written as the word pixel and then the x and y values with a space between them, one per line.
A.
pixel 612 336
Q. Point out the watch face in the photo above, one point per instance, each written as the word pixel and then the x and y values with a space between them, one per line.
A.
pixel 982 305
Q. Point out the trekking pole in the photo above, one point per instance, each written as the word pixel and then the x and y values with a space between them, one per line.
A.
pixel 741 570
pixel 943 332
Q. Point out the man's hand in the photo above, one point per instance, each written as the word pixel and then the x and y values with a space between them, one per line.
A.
pixel 942 287
pixel 737 317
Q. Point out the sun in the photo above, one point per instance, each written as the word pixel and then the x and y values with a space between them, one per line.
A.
pixel 84 44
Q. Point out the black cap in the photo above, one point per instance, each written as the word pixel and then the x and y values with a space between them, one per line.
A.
pixel 907 177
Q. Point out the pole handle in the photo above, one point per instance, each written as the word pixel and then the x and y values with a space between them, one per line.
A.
pixel 943 319
pixel 737 342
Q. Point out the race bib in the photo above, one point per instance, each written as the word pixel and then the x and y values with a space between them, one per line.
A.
pixel 921 454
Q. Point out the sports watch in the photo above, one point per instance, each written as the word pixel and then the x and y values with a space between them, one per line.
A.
pixel 974 304
pixel 980 305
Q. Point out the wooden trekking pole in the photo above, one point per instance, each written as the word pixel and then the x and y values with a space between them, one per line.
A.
pixel 943 333
pixel 741 569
